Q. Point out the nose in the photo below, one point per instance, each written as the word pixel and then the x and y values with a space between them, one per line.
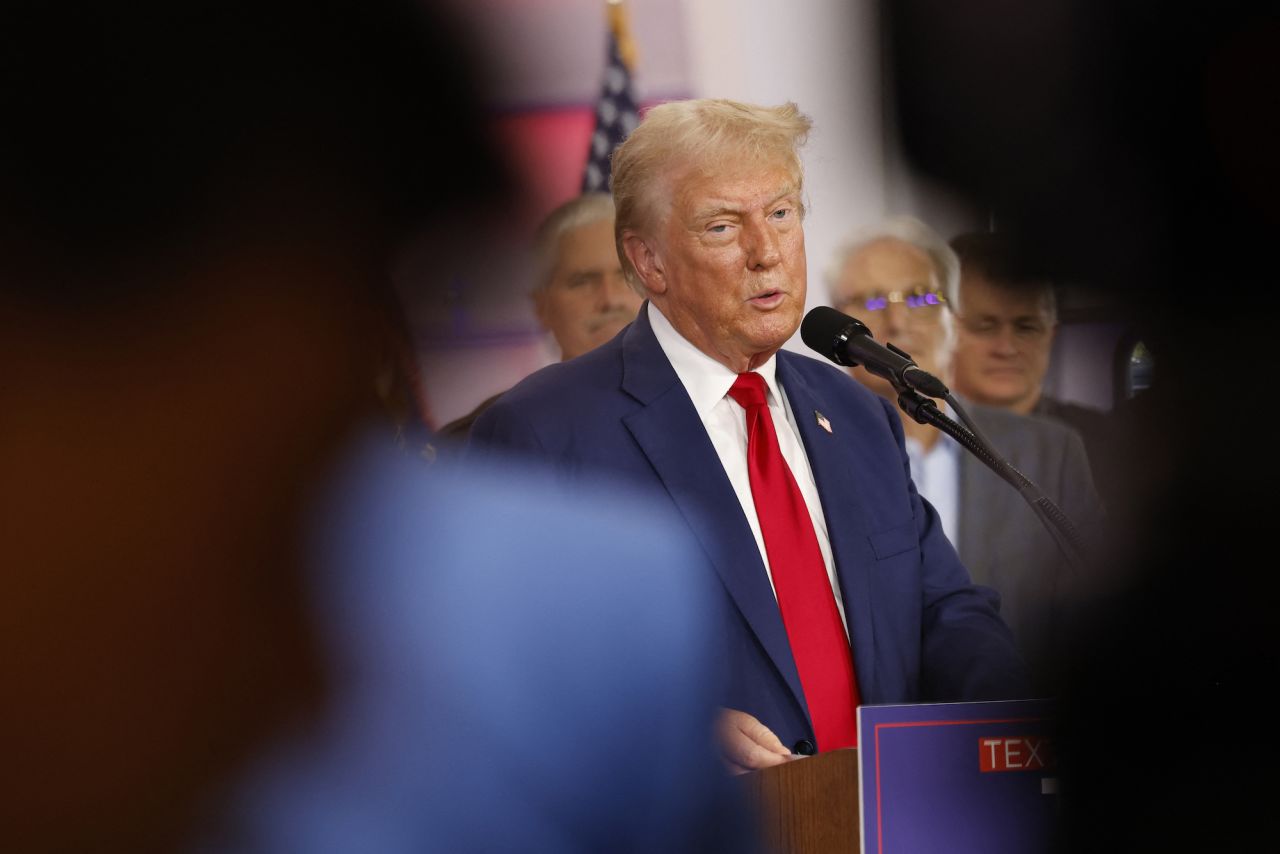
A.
pixel 1005 342
pixel 761 245
pixel 895 319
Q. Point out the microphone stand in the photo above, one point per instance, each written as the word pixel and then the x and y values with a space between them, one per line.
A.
pixel 1060 527
pixel 844 340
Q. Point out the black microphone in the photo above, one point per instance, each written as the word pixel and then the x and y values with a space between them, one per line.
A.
pixel 847 341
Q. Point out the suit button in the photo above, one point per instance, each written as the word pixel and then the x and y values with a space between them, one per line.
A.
pixel 804 747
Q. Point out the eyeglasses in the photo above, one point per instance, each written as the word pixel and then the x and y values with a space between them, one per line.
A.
pixel 880 300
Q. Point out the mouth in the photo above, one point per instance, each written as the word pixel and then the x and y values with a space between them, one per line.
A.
pixel 767 299
pixel 613 321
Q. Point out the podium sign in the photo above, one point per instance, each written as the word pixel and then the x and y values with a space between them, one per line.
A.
pixel 966 778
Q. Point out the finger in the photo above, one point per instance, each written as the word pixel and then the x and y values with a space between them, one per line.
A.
pixel 753 757
pixel 764 737
pixel 747 743
pixel 736 726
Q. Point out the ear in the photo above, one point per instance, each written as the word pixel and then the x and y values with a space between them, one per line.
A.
pixel 540 306
pixel 646 262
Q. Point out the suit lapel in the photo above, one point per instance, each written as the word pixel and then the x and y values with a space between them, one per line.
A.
pixel 836 459
pixel 674 440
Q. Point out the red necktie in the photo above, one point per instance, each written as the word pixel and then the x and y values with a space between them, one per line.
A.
pixel 818 642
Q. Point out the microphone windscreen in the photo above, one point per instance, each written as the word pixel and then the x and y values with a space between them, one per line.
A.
pixel 821 331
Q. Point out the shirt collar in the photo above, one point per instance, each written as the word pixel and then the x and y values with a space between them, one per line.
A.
pixel 706 380
pixel 944 447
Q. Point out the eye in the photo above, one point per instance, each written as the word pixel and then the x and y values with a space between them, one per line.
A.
pixel 781 213
pixel 579 280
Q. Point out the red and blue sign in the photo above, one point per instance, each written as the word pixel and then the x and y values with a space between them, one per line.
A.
pixel 965 778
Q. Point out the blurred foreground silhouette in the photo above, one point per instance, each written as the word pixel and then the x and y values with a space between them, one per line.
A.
pixel 1123 145
pixel 198 203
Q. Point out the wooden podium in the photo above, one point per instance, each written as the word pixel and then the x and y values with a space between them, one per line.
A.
pixel 810 805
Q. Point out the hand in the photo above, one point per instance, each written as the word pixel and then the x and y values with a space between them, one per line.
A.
pixel 746 744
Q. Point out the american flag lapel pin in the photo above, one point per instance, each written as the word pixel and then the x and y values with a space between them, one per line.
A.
pixel 822 420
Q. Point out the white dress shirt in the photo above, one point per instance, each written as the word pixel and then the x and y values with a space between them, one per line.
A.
pixel 707 383
pixel 936 473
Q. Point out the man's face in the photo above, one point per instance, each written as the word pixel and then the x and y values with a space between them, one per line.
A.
pixel 1003 348
pixel 727 264
pixel 891 286
pixel 587 300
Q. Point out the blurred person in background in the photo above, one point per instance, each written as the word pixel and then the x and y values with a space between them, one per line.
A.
pixel 580 295
pixel 1007 324
pixel 900 278
pixel 198 206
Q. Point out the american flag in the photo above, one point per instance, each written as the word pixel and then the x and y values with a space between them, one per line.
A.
pixel 616 114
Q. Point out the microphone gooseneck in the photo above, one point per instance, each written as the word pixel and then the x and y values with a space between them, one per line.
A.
pixel 847 341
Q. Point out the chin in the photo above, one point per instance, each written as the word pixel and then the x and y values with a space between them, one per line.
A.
pixel 1004 397
pixel 604 338
pixel 774 329
pixel 766 344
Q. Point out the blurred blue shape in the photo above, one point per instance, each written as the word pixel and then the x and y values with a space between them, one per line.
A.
pixel 517 668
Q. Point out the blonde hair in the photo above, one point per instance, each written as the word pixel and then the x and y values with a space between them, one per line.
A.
pixel 683 135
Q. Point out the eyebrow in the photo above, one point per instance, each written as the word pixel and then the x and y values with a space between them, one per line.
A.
pixel 713 212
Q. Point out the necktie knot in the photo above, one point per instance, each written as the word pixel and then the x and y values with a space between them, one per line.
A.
pixel 748 390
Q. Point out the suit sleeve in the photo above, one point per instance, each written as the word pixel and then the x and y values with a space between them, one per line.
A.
pixel 502 430
pixel 967 652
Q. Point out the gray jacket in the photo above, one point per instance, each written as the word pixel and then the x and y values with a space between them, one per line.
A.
pixel 1003 543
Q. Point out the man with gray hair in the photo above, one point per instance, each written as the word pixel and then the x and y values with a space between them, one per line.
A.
pixel 901 279
pixel 837 584
pixel 580 294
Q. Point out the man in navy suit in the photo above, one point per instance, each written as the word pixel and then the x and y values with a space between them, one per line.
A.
pixel 710 231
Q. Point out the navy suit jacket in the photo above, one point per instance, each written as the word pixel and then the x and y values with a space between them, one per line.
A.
pixel 919 629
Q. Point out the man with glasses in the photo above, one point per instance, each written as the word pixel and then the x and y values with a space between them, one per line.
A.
pixel 1005 337
pixel 901 280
